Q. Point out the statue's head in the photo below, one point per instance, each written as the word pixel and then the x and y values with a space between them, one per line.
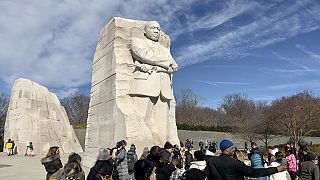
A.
pixel 152 30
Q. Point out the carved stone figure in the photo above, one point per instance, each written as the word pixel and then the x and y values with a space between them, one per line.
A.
pixel 131 92
pixel 36 115
pixel 151 87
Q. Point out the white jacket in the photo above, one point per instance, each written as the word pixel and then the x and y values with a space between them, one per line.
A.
pixel 284 175
pixel 198 165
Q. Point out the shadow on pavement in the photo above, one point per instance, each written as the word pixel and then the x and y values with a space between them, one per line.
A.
pixel 4 165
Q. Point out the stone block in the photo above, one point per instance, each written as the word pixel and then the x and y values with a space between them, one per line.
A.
pixel 36 115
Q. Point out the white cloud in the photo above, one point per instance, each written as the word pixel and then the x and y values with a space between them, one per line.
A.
pixel 273 24
pixel 61 93
pixel 309 53
pixel 230 10
pixel 263 97
pixel 292 61
pixel 52 42
pixel 216 83
pixel 293 70
pixel 303 85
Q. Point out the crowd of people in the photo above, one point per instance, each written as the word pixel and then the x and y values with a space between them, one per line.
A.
pixel 300 165
pixel 185 163
pixel 173 162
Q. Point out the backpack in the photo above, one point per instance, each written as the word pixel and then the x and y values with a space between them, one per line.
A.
pixel 131 160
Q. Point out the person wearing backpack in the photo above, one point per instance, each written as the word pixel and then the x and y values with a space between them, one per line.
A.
pixel 103 168
pixel 132 158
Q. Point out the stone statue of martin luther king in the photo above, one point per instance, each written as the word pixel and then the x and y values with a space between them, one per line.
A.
pixel 151 86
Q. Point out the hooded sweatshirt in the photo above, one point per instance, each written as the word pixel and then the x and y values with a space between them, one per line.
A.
pixel 198 165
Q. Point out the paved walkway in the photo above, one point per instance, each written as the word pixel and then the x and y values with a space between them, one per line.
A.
pixel 25 167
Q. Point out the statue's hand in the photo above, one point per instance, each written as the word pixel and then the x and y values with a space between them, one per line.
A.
pixel 171 70
pixel 144 68
pixel 174 67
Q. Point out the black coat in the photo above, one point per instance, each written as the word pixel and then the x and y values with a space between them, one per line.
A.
pixel 225 167
pixel 163 170
pixel 101 167
pixel 52 164
pixel 189 159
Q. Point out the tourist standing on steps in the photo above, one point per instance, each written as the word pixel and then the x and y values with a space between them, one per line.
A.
pixel 52 162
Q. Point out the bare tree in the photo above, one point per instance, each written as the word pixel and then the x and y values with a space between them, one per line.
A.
pixel 265 129
pixel 189 110
pixel 296 116
pixel 187 104
pixel 76 106
pixel 241 113
pixel 4 103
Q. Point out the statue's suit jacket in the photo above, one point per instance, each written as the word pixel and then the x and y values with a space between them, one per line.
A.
pixel 151 54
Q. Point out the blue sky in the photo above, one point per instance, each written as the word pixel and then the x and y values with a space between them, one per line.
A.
pixel 266 49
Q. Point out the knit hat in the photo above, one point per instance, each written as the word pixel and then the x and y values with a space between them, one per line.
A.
pixel 310 156
pixel 168 145
pixel 224 144
pixel 104 154
pixel 133 148
pixel 165 155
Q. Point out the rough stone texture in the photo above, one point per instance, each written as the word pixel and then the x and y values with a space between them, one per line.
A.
pixel 36 115
pixel 112 114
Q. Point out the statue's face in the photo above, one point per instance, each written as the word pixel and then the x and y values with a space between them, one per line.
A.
pixel 152 30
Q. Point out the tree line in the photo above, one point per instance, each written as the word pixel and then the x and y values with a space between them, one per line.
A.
pixel 294 116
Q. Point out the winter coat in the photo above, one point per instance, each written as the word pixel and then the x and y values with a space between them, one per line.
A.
pixel 292 162
pixel 163 170
pixel 122 164
pixel 132 158
pixel 256 158
pixel 52 164
pixel 256 163
pixel 209 153
pixel 189 159
pixel 198 165
pixel 102 168
pixel 225 167
pixel 261 161
pixel 308 171
pixel 284 175
pixel 59 175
